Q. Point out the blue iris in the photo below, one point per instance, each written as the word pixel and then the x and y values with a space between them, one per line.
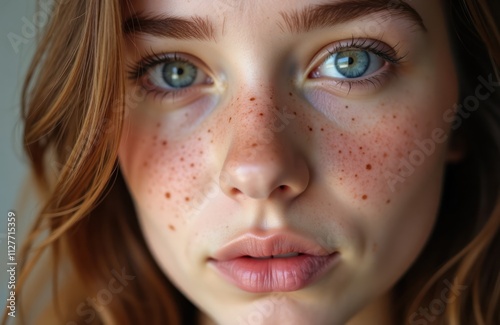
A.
pixel 179 74
pixel 353 63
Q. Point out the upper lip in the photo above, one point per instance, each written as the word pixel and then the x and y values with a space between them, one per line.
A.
pixel 266 245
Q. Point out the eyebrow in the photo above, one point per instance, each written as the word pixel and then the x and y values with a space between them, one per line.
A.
pixel 327 15
pixel 307 19
pixel 195 27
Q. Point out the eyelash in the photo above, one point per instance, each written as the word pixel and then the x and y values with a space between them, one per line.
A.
pixel 377 47
pixel 151 59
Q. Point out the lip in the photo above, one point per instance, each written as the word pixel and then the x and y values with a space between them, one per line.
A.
pixel 247 262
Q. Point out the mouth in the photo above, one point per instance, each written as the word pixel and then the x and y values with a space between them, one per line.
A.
pixel 281 262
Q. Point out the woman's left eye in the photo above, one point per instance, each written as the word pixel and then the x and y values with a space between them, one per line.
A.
pixel 349 64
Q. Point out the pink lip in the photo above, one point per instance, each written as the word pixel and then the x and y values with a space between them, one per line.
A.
pixel 243 262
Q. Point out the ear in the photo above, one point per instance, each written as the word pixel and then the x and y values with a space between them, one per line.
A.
pixel 457 148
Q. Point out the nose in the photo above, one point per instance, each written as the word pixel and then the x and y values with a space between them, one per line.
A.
pixel 263 161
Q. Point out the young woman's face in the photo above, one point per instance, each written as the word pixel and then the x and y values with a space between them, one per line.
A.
pixel 309 130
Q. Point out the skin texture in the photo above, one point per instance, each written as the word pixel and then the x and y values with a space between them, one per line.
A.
pixel 216 161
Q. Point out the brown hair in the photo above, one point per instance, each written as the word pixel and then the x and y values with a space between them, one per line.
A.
pixel 73 104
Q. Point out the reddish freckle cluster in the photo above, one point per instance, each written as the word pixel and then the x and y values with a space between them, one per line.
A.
pixel 261 114
pixel 252 99
pixel 364 197
pixel 369 167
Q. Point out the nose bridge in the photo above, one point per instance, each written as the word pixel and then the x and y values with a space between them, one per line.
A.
pixel 262 160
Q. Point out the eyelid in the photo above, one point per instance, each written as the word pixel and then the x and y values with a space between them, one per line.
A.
pixel 386 52
pixel 151 59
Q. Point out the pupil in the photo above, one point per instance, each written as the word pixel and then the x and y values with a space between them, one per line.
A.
pixel 352 63
pixel 179 74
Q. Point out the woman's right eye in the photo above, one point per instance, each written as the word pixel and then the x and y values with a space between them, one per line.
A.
pixel 175 74
pixel 166 74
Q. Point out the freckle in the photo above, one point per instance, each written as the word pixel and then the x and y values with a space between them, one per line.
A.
pixel 164 143
pixel 208 131
pixel 230 119
pixel 322 129
pixel 353 119
pixel 350 152
pixel 158 125
pixel 364 197
pixel 290 94
pixel 388 201
pixel 340 151
pixel 310 128
pixel 385 154
pixel 199 139
pixel 187 199
pixel 201 152
pixel 369 167
pixel 254 145
pixel 191 165
pixel 171 227
pixel 252 99
pixel 341 134
pixel 394 116
pixel 194 177
pixel 155 137
pixel 295 113
pixel 346 106
pixel 167 195
pixel 261 114
pixel 356 175
pixel 145 164
pixel 182 159
pixel 360 148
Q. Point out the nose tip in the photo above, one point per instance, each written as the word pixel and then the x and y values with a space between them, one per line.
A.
pixel 264 173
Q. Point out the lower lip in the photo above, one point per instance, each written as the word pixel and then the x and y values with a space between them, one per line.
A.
pixel 275 274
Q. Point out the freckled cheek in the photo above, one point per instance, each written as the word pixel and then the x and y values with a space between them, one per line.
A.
pixel 358 157
pixel 162 174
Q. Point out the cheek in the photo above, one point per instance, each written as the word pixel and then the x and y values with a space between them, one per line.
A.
pixel 163 175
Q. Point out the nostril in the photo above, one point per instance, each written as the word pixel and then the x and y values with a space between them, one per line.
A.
pixel 235 191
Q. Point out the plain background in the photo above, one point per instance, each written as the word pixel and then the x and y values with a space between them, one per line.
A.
pixel 14 15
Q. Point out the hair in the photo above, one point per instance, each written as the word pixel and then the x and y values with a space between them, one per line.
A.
pixel 73 106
